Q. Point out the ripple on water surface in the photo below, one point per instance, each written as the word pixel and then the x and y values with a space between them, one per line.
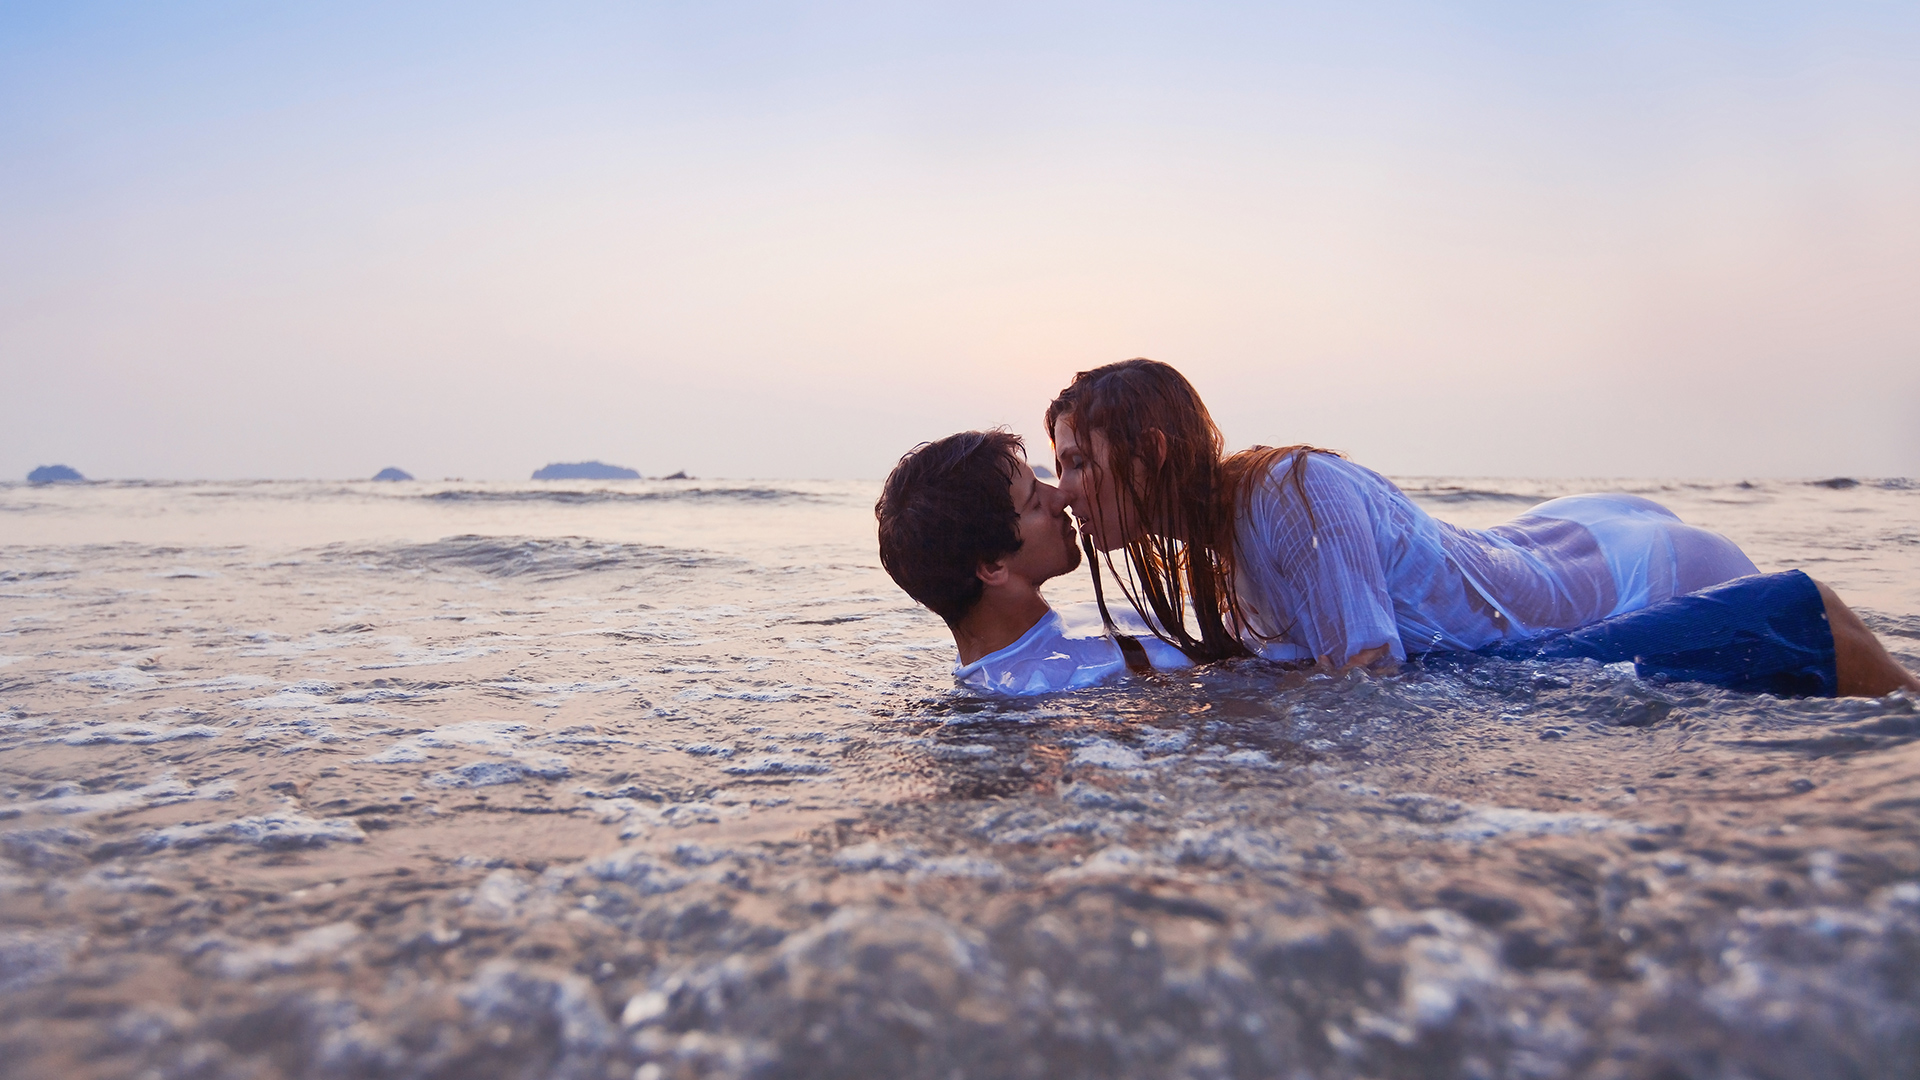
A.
pixel 627 811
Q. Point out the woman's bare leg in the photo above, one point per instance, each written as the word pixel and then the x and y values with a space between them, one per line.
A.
pixel 1860 661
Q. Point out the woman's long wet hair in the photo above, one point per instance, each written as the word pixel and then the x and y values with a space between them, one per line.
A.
pixel 1182 493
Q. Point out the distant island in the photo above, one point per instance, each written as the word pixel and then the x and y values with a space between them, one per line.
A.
pixel 391 473
pixel 54 474
pixel 585 470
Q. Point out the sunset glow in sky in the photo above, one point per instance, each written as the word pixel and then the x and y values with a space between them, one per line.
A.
pixel 266 240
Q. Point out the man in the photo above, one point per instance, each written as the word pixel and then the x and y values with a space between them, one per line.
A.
pixel 969 531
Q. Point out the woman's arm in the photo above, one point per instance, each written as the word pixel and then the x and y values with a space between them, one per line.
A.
pixel 1378 660
pixel 1321 564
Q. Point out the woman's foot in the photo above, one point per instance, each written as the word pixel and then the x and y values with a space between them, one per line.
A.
pixel 1863 667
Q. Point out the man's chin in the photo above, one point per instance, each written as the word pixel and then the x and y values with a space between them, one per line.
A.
pixel 1071 564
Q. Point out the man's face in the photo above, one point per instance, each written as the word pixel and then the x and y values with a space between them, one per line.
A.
pixel 1048 547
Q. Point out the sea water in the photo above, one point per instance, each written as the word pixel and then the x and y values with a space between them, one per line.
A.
pixel 666 779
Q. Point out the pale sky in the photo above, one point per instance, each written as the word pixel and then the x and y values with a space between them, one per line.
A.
pixel 1588 239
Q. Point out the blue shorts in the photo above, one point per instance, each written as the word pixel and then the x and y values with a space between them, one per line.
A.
pixel 1762 634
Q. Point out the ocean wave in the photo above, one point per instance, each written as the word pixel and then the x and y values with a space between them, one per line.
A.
pixel 534 558
pixel 1847 483
pixel 755 495
pixel 15 577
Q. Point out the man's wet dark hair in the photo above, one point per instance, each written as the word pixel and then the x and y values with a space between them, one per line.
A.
pixel 946 509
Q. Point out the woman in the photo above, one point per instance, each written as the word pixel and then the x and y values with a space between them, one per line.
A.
pixel 1298 554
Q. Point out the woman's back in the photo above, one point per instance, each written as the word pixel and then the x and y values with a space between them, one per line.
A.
pixel 1355 564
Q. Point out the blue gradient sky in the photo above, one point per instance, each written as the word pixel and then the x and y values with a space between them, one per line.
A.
pixel 792 240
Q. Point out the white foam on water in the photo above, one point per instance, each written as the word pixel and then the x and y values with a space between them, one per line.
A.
pixel 226 682
pixel 357 697
pixel 784 692
pixel 873 855
pixel 407 655
pixel 263 645
pixel 285 699
pixel 118 679
pixel 317 944
pixel 162 792
pixel 28 957
pixel 489 773
pixel 960 866
pixel 17 723
pixel 1256 849
pixel 501 738
pixel 1116 860
pixel 136 732
pixel 1107 754
pixel 1163 740
pixel 566 688
pixel 996 888
pixel 773 765
pixel 1491 822
pixel 297 734
pixel 500 894
pixel 639 869
pixel 492 735
pixel 273 832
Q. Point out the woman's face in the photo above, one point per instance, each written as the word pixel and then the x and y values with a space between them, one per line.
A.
pixel 1087 483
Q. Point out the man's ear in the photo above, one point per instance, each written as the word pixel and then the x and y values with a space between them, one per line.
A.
pixel 992 574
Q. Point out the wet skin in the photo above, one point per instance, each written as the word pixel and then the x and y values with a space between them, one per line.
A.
pixel 1087 485
pixel 1010 602
pixel 1048 546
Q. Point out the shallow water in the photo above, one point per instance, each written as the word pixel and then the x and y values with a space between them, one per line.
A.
pixel 661 779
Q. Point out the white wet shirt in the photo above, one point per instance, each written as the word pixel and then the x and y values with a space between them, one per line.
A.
pixel 1067 649
pixel 1358 565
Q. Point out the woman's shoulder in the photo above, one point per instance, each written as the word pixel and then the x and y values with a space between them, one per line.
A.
pixel 1310 475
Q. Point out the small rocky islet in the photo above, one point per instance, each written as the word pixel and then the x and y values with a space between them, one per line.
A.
pixel 55 474
pixel 596 470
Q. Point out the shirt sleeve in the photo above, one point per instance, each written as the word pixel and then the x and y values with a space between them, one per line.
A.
pixel 1317 561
